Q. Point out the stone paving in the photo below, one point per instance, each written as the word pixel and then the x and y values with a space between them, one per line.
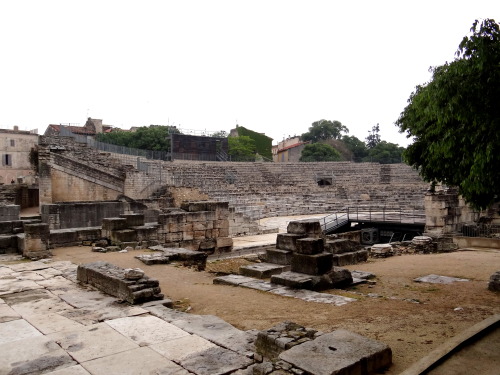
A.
pixel 306 295
pixel 49 324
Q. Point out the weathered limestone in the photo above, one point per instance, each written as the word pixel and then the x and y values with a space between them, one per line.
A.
pixel 36 241
pixel 340 352
pixel 263 270
pixel 494 283
pixel 112 280
pixel 272 342
pixel 165 255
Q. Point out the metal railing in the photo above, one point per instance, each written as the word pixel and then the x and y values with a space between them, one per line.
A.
pixel 478 230
pixel 372 214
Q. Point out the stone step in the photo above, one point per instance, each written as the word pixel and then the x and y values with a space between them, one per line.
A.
pixel 293 280
pixel 263 270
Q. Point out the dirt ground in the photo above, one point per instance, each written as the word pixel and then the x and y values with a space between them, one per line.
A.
pixel 412 318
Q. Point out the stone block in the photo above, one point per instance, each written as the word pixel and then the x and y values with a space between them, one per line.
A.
pixel 224 241
pixel 111 280
pixel 114 223
pixel 263 270
pixel 288 241
pixel 340 352
pixel 164 219
pixel 279 256
pixel 221 224
pixel 36 241
pixel 309 246
pixel 124 235
pixel 341 246
pixel 223 232
pixel 311 228
pixel 494 282
pixel 133 220
pixel 283 336
pixel 293 280
pixel 173 237
pixel 317 264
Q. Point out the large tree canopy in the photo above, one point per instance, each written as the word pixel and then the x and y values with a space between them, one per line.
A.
pixel 323 130
pixel 455 119
pixel 242 148
pixel 319 152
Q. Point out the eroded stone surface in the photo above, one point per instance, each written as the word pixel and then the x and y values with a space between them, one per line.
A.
pixel 43 356
pixel 215 361
pixel 140 361
pixel 340 352
pixel 147 329
pixel 182 347
pixel 91 342
pixel 15 330
pixel 437 279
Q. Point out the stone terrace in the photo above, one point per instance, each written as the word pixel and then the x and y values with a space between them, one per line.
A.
pixel 279 189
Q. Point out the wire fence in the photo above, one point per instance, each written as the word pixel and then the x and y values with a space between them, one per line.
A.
pixel 479 230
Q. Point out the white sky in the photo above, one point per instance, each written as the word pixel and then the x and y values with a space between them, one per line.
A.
pixel 272 66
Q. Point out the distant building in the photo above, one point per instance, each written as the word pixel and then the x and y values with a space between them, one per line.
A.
pixel 15 148
pixel 288 150
pixel 92 127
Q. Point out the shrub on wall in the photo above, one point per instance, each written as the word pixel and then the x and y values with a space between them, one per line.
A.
pixel 263 143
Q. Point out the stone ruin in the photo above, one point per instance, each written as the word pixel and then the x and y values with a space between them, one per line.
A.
pixel 196 226
pixel 289 348
pixel 286 348
pixel 130 285
pixel 304 259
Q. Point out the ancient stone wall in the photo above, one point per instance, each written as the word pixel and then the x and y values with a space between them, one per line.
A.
pixel 74 172
pixel 444 210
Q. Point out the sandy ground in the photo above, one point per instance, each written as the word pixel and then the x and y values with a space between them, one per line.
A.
pixel 412 318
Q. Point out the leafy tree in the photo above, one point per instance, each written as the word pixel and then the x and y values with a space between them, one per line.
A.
pixel 319 152
pixel 356 146
pixel 323 130
pixel 241 148
pixel 153 137
pixel 373 138
pixel 385 153
pixel 455 119
pixel 220 134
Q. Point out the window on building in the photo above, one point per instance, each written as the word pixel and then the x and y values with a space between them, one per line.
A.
pixel 7 159
pixel 12 143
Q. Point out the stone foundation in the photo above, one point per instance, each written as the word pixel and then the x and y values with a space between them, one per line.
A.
pixel 131 286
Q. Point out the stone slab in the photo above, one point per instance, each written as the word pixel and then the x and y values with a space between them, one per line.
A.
pixel 263 270
pixel 340 352
pixel 147 329
pixel 44 355
pixel 51 322
pixel 362 275
pixel 260 285
pixel 9 286
pixel 437 279
pixel 278 256
pixel 39 302
pixel 30 266
pixel 215 361
pixel 311 296
pixel 91 342
pixel 310 246
pixel 182 347
pixel 15 330
pixel 293 280
pixel 234 280
pixel 7 313
pixel 73 370
pixel 93 306
pixel 317 264
pixel 210 328
pixel 140 361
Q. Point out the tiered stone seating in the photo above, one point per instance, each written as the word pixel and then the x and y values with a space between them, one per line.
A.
pixel 276 189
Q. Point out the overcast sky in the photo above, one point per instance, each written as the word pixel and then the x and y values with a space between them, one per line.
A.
pixel 271 66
